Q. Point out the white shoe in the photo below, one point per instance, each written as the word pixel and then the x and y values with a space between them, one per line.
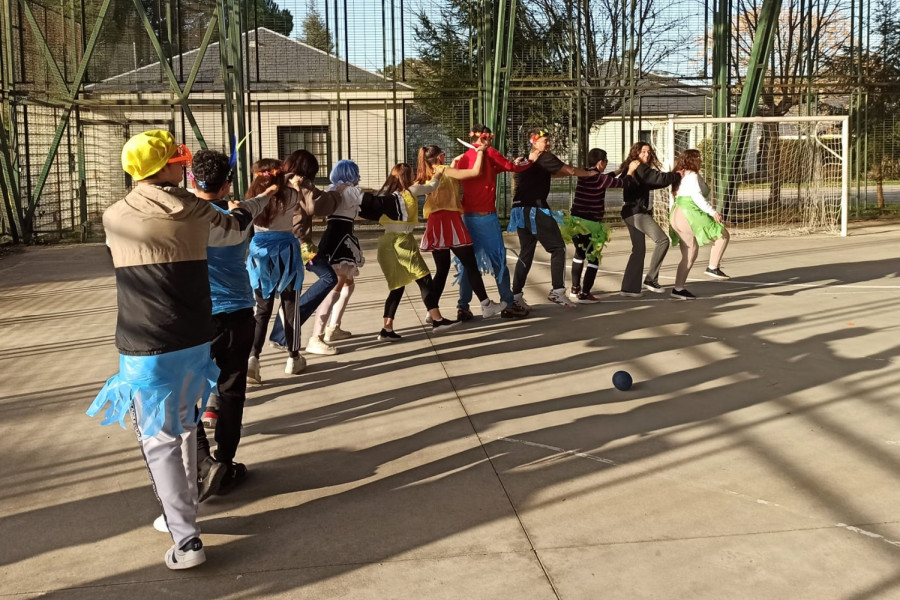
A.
pixel 333 334
pixel 520 300
pixel 560 297
pixel 159 524
pixel 189 555
pixel 631 294
pixel 429 320
pixel 253 371
pixel 490 309
pixel 315 345
pixel 295 366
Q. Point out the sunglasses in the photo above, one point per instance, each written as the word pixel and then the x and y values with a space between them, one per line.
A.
pixel 182 156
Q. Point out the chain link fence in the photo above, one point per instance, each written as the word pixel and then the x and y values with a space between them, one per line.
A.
pixel 372 81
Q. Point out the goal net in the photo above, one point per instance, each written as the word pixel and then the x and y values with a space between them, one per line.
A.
pixel 767 175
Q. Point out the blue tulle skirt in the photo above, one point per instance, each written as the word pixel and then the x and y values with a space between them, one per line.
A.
pixel 274 262
pixel 487 240
pixel 162 384
pixel 520 217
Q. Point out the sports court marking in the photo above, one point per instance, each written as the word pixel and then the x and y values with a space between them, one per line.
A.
pixel 742 496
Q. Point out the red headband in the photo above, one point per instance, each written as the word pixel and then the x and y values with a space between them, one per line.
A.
pixel 537 136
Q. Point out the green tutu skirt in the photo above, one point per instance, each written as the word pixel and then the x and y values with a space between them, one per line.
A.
pixel 703 226
pixel 572 226
pixel 400 259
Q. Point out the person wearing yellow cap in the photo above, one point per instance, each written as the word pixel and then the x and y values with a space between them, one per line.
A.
pixel 157 236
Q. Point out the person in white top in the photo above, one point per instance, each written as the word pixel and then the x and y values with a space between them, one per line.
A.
pixel 694 223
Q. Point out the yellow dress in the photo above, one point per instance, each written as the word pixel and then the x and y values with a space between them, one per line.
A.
pixel 398 253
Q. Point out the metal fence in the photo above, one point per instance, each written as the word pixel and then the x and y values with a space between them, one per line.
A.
pixel 373 80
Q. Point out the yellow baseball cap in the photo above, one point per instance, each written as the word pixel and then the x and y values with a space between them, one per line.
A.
pixel 148 152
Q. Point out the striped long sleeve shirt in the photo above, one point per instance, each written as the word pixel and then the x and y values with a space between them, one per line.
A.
pixel 590 194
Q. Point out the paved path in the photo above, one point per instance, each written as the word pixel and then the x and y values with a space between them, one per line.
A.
pixel 756 456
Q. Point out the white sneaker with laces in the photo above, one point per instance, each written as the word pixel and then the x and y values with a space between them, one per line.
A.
pixel 560 297
pixel 490 309
pixel 315 345
pixel 295 366
pixel 189 555
pixel 253 371
pixel 334 334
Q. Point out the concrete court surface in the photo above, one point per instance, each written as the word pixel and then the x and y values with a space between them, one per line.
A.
pixel 757 456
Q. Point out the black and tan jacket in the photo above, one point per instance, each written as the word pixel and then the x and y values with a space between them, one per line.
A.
pixel 157 236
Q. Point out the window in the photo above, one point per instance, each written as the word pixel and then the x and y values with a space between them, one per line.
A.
pixel 645 136
pixel 682 140
pixel 313 138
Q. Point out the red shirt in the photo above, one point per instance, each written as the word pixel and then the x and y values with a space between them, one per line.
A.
pixel 480 193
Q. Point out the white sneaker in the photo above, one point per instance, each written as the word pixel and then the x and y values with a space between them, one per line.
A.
pixel 333 334
pixel 490 309
pixel 253 371
pixel 429 320
pixel 159 524
pixel 316 345
pixel 631 294
pixel 189 555
pixel 560 297
pixel 295 366
pixel 520 300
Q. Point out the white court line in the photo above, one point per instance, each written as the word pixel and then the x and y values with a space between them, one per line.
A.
pixel 754 283
pixel 606 461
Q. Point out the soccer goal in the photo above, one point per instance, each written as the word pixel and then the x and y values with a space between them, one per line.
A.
pixel 768 175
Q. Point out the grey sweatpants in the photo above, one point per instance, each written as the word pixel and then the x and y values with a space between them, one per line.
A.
pixel 641 225
pixel 172 462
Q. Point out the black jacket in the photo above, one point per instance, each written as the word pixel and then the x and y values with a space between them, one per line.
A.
pixel 637 197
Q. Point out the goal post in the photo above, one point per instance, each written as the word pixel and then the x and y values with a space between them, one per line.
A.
pixel 791 174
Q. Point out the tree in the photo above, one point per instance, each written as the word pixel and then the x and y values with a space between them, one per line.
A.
pixel 571 59
pixel 315 31
pixel 876 70
pixel 806 40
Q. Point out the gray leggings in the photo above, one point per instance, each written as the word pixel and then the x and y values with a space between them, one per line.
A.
pixel 642 225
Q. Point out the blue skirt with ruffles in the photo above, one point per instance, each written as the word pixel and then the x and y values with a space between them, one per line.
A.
pixel 487 241
pixel 274 262
pixel 162 383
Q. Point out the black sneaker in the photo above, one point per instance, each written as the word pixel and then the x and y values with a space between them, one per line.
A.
pixel 653 286
pixel 443 324
pixel 389 336
pixel 237 473
pixel 210 474
pixel 717 273
pixel 683 295
pixel 514 311
pixel 463 315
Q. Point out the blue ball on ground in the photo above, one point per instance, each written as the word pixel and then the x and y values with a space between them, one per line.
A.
pixel 622 380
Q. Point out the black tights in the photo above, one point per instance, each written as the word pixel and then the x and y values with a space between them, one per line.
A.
pixel 466 255
pixel 426 287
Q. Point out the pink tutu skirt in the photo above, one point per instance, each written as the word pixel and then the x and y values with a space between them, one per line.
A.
pixel 444 230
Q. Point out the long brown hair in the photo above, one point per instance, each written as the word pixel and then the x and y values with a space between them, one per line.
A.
pixel 267 172
pixel 633 155
pixel 427 158
pixel 689 160
pixel 400 179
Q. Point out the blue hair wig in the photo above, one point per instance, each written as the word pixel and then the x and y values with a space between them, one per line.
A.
pixel 345 171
